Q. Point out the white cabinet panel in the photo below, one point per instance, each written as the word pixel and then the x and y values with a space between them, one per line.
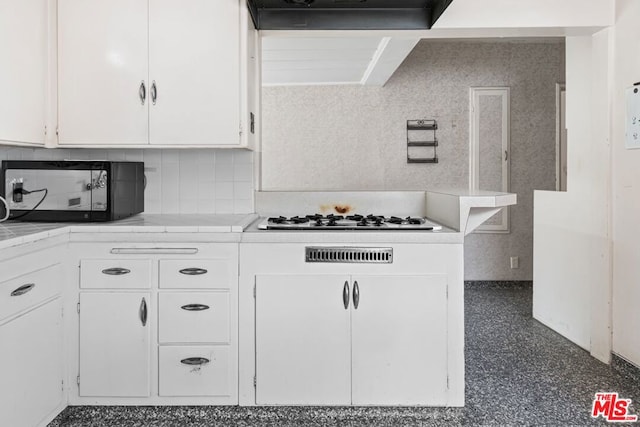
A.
pixel 102 61
pixel 30 289
pixel 31 367
pixel 399 335
pixel 194 62
pixel 198 273
pixel 115 273
pixel 194 371
pixel 114 344
pixel 303 341
pixel 197 317
pixel 23 75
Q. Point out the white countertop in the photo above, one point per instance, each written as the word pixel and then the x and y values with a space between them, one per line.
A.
pixel 14 233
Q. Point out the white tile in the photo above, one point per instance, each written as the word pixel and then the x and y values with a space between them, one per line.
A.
pixel 242 157
pixel 170 156
pixel 152 157
pixel 206 173
pixel 224 206
pixel 241 206
pixel 224 157
pixel 224 172
pixel 188 206
pixel 224 190
pixel 116 155
pixel 189 158
pixel 206 205
pixel 152 205
pixel 134 155
pixel 243 172
pixel 170 188
pixel 207 156
pixel 242 190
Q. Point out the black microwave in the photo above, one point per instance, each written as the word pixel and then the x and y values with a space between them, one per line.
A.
pixel 72 190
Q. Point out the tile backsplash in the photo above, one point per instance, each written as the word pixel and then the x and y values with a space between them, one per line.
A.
pixel 178 181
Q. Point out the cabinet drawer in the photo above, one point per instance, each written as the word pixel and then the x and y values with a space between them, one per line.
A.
pixel 194 317
pixel 30 289
pixel 115 273
pixel 199 273
pixel 194 371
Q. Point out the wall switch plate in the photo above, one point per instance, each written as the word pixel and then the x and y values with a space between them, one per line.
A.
pixel 515 262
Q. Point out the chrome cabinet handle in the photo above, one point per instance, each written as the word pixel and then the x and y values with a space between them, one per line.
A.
pixel 193 271
pixel 142 92
pixel 143 312
pixel 23 289
pixel 116 271
pixel 154 92
pixel 195 307
pixel 506 155
pixel 356 295
pixel 345 295
pixel 195 361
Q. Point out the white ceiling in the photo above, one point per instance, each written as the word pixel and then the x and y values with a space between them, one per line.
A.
pixel 322 60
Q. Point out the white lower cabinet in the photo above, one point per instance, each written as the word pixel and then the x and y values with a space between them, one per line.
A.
pixel 157 325
pixel 115 344
pixel 303 341
pixel 361 340
pixel 399 340
pixel 31 367
pixel 194 371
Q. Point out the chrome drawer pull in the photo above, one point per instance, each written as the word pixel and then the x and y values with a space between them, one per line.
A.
pixel 193 271
pixel 143 312
pixel 356 295
pixel 345 295
pixel 23 289
pixel 116 271
pixel 195 307
pixel 193 361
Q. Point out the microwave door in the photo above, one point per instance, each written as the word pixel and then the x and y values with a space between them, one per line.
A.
pixel 65 189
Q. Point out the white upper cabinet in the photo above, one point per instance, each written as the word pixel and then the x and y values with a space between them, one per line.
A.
pixel 102 72
pixel 23 74
pixel 139 72
pixel 194 63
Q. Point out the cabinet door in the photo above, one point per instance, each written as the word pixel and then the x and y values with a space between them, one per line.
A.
pixel 31 367
pixel 23 76
pixel 303 340
pixel 114 344
pixel 102 62
pixel 399 335
pixel 194 61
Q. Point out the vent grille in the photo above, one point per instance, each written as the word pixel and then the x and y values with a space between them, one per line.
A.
pixel 349 255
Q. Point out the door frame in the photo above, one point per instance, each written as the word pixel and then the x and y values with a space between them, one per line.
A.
pixel 474 148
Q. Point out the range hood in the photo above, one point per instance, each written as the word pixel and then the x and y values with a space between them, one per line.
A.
pixel 346 14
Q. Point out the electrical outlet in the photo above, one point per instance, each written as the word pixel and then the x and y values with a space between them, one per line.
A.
pixel 515 262
pixel 17 191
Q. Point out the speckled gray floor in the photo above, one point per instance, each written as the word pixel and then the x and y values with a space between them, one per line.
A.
pixel 519 373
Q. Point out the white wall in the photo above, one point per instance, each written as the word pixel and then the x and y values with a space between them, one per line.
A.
pixel 571 267
pixel 526 14
pixel 178 181
pixel 626 190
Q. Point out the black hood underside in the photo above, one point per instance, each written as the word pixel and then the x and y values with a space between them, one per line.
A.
pixel 346 14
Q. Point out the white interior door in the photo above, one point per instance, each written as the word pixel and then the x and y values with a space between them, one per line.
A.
pixel 23 75
pixel 114 344
pixel 31 368
pixel 303 341
pixel 194 61
pixel 103 72
pixel 399 334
